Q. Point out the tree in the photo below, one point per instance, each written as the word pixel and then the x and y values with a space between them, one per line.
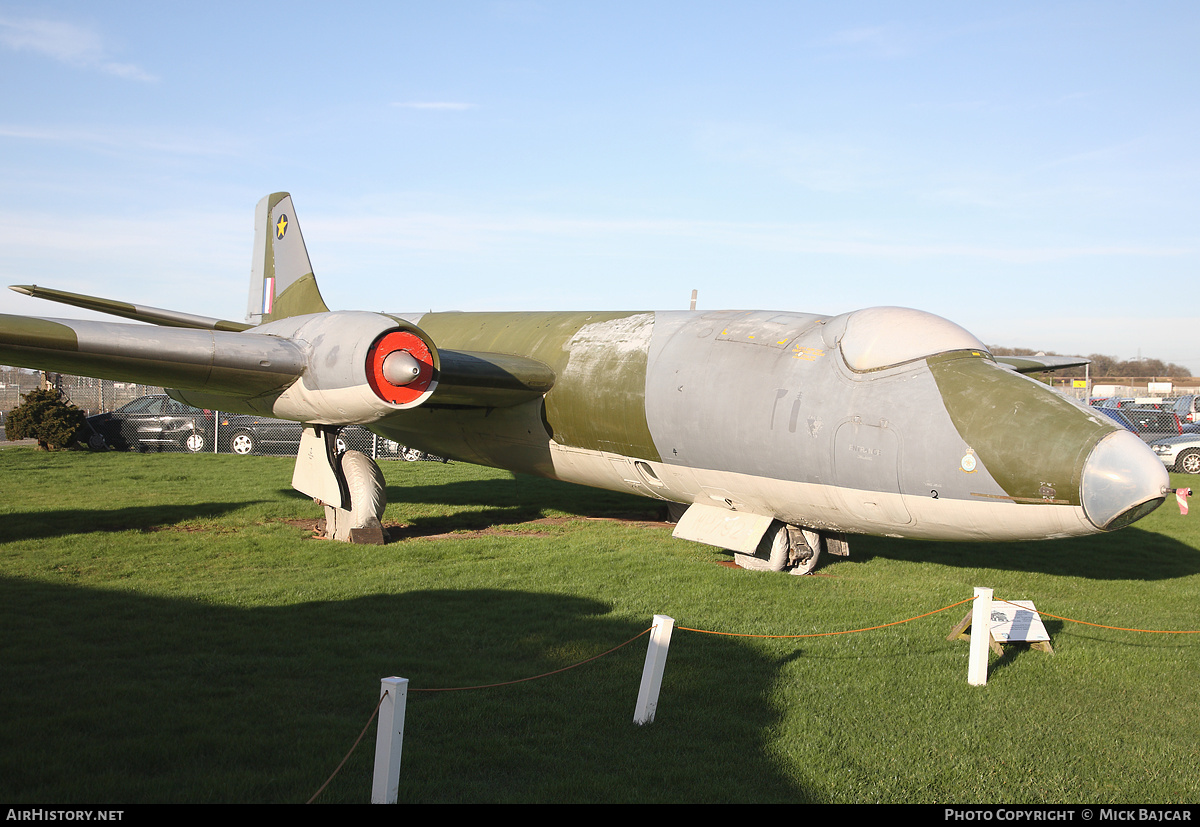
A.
pixel 45 416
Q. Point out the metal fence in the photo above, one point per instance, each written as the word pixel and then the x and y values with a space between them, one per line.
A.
pixel 1122 387
pixel 228 433
pixel 90 395
pixel 148 421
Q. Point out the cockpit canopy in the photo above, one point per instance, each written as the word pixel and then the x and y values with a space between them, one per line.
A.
pixel 881 337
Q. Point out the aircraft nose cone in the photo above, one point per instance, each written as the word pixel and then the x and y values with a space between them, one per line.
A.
pixel 1123 481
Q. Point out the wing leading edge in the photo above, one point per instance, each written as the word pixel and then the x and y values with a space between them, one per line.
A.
pixel 137 312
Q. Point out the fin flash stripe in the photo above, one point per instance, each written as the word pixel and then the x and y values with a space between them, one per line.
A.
pixel 268 298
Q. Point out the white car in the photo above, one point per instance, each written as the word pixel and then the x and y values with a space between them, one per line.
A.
pixel 1179 453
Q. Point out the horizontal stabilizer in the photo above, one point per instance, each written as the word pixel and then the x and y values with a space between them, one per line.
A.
pixel 1038 364
pixel 138 312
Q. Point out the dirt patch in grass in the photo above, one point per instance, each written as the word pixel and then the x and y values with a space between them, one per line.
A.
pixel 408 532
pixel 398 532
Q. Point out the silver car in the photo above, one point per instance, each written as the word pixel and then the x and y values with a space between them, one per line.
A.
pixel 1179 453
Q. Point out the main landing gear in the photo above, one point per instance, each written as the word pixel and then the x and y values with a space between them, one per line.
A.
pixel 349 485
pixel 790 548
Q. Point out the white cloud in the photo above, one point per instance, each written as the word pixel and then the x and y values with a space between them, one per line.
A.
pixel 66 43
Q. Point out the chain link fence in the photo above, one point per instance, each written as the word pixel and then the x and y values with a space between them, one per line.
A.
pixel 161 424
pixel 1124 387
pixel 127 416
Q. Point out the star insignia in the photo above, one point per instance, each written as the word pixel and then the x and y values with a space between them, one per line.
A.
pixel 281 226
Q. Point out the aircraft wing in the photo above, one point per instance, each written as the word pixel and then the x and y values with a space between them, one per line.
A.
pixel 138 312
pixel 300 361
pixel 1038 364
pixel 336 368
pixel 209 360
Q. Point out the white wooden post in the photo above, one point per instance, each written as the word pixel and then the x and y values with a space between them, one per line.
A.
pixel 981 635
pixel 385 786
pixel 656 661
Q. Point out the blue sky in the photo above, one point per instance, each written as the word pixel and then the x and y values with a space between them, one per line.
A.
pixel 1029 170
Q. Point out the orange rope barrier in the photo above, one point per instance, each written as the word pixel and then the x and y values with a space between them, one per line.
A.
pixel 1102 626
pixel 535 677
pixel 353 747
pixel 828 634
pixel 457 688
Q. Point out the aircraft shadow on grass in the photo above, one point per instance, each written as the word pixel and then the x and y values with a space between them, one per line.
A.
pixel 185 701
pixel 504 502
pixel 1129 554
pixel 31 525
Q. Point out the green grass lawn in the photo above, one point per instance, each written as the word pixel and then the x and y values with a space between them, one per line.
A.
pixel 170 631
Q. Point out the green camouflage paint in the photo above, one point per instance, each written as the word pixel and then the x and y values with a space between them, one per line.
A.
pixel 598 401
pixel 1005 418
pixel 299 298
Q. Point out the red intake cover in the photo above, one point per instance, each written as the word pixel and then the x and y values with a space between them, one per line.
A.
pixel 388 344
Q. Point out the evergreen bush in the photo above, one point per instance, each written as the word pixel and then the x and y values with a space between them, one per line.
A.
pixel 45 416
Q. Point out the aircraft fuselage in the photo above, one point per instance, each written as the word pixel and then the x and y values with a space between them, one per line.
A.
pixel 885 421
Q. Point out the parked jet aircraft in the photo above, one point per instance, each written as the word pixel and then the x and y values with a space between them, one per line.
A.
pixel 780 432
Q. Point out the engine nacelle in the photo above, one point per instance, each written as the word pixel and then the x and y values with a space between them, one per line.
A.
pixel 359 367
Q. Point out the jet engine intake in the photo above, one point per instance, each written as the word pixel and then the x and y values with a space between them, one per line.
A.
pixel 400 367
pixel 359 367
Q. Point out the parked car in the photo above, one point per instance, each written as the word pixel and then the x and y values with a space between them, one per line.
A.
pixel 244 435
pixel 1116 416
pixel 1152 422
pixel 241 434
pixel 1188 408
pixel 160 423
pixel 1148 423
pixel 1179 453
pixel 152 423
pixel 1118 402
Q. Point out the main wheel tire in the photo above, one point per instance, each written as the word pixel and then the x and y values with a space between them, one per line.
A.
pixel 772 551
pixel 808 553
pixel 195 442
pixel 243 443
pixel 1188 462
pixel 368 499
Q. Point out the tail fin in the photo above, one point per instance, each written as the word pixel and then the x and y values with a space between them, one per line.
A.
pixel 282 283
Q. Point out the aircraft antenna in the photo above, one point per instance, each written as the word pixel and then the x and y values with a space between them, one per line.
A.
pixel 693 307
